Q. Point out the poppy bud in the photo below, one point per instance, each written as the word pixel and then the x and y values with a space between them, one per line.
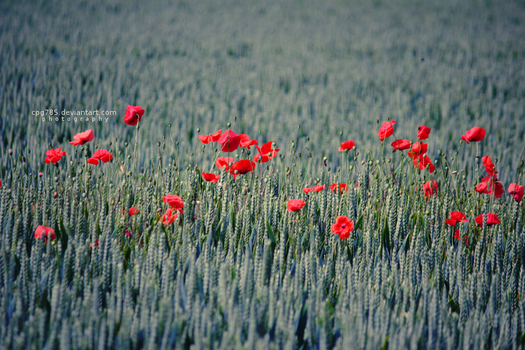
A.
pixel 229 124
pixel 10 152
pixel 55 194
pixel 198 130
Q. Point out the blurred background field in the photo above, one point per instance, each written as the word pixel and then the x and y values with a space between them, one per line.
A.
pixel 326 66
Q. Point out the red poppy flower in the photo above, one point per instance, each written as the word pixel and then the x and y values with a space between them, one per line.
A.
pixel 482 187
pixel 230 141
pixel 401 144
pixel 316 188
pixel 44 232
pixel 458 237
pixel 451 222
pixel 131 211
pixel 96 243
pixel 205 139
pixel 216 136
pixel 348 144
pixel 211 177
pixel 386 130
pixel 174 201
pixel 487 186
pixel 263 158
pixel 210 138
pixel 421 162
pixel 489 166
pixel 492 219
pixel 455 217
pixel 295 205
pixel 100 154
pixel 83 137
pixel 423 132
pixel 266 148
pixel 54 155
pixel 430 187
pixel 169 216
pixel 242 167
pixel 133 115
pixel 266 152
pixel 342 187
pixel 127 233
pixel 419 148
pixel 475 134
pixel 223 163
pixel 516 191
pixel 246 142
pixel 342 227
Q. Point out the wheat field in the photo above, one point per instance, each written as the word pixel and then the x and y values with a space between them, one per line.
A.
pixel 132 247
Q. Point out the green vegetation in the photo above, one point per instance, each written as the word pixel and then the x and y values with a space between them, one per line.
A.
pixel 236 269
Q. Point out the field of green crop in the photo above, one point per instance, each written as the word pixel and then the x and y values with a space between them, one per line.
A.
pixel 233 265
